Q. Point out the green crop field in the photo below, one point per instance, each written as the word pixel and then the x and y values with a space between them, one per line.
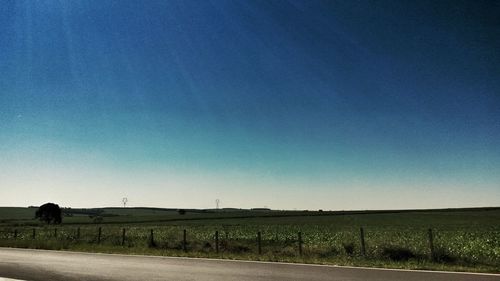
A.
pixel 462 239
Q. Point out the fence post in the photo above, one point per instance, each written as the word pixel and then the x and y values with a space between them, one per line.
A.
pixel 151 239
pixel 184 241
pixel 78 233
pixel 123 236
pixel 259 242
pixel 15 233
pixel 99 236
pixel 55 232
pixel 217 241
pixel 431 243
pixel 362 238
pixel 300 243
pixel 34 233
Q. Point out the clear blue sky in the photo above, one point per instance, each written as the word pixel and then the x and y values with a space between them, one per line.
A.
pixel 285 104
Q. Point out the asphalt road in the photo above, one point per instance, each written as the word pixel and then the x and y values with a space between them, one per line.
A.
pixel 54 265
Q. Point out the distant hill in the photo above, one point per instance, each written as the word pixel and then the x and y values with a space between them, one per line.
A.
pixel 113 215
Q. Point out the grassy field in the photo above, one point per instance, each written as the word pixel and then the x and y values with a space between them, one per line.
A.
pixel 463 239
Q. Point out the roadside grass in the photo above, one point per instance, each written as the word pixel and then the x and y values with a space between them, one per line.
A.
pixel 286 255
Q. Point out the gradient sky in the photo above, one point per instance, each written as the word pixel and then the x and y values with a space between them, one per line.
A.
pixel 285 104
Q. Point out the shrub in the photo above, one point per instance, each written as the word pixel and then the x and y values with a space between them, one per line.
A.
pixel 441 255
pixel 397 253
pixel 331 252
pixel 349 248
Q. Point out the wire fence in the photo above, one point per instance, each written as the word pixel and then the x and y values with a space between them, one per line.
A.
pixel 455 246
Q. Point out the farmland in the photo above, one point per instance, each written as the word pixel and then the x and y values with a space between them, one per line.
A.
pixel 460 239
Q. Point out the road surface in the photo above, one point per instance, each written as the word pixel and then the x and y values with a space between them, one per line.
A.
pixel 35 265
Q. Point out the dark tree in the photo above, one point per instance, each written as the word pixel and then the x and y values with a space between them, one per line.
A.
pixel 181 211
pixel 49 213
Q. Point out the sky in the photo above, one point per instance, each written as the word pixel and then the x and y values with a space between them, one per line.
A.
pixel 333 105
